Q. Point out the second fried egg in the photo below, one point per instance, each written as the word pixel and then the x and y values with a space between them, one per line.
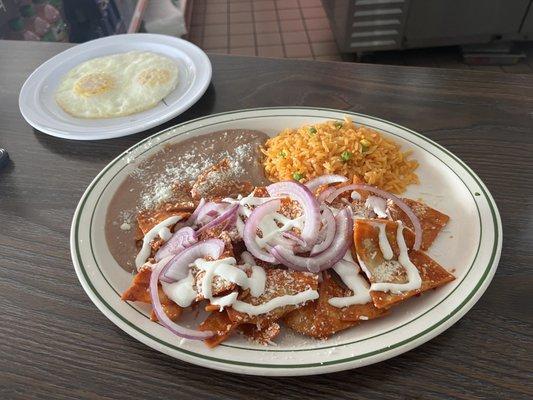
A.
pixel 117 85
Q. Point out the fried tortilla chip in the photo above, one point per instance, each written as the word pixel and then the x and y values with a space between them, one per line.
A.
pixel 377 269
pixel 304 320
pixel 263 335
pixel 320 319
pixel 219 285
pixel 431 220
pixel 220 324
pixel 170 308
pixel 279 282
pixel 355 312
pixel 344 199
pixel 433 275
pixel 146 220
pixel 289 208
pixel 228 235
pixel 139 288
pixel 261 191
pixel 219 181
pixel 139 291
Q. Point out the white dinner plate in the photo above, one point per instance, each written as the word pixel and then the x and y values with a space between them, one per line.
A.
pixel 469 246
pixel 40 110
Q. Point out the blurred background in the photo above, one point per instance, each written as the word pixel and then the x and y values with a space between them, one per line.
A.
pixel 461 34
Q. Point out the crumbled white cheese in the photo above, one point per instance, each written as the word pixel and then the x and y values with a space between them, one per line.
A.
pixel 187 168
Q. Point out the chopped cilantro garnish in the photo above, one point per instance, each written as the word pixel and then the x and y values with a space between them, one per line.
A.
pixel 312 130
pixel 338 124
pixel 282 154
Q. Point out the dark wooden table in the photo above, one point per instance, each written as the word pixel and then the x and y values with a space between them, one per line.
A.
pixel 54 343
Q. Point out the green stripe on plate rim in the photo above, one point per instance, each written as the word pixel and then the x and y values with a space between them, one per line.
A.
pixel 309 365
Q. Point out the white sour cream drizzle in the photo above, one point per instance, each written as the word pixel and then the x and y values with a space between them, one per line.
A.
pixel 183 292
pixel 364 267
pixel 281 301
pixel 348 271
pixel 378 205
pixel 269 224
pixel 257 281
pixel 224 301
pixel 414 281
pixel 224 268
pixel 162 230
pixel 355 195
pixel 384 244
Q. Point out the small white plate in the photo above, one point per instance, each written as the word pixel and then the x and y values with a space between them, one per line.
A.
pixel 40 110
pixel 470 245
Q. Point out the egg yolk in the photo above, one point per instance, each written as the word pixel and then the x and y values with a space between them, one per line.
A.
pixel 93 84
pixel 153 76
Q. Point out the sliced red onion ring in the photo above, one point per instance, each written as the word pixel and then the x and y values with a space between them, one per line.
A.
pixel 182 238
pixel 209 211
pixel 228 218
pixel 321 235
pixel 176 329
pixel 329 257
pixel 325 180
pixel 383 193
pixel 308 202
pixel 325 193
pixel 250 229
pixel 178 267
pixel 328 221
pixel 283 241
pixel 296 239
pixel 324 239
pixel 194 215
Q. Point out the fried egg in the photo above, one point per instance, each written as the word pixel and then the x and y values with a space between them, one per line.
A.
pixel 117 85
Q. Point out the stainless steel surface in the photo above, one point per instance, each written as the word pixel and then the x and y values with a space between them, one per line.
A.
pixel 372 25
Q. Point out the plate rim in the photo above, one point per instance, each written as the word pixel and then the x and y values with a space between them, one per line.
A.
pixel 297 369
pixel 203 83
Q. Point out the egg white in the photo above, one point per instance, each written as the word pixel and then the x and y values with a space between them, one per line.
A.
pixel 117 85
